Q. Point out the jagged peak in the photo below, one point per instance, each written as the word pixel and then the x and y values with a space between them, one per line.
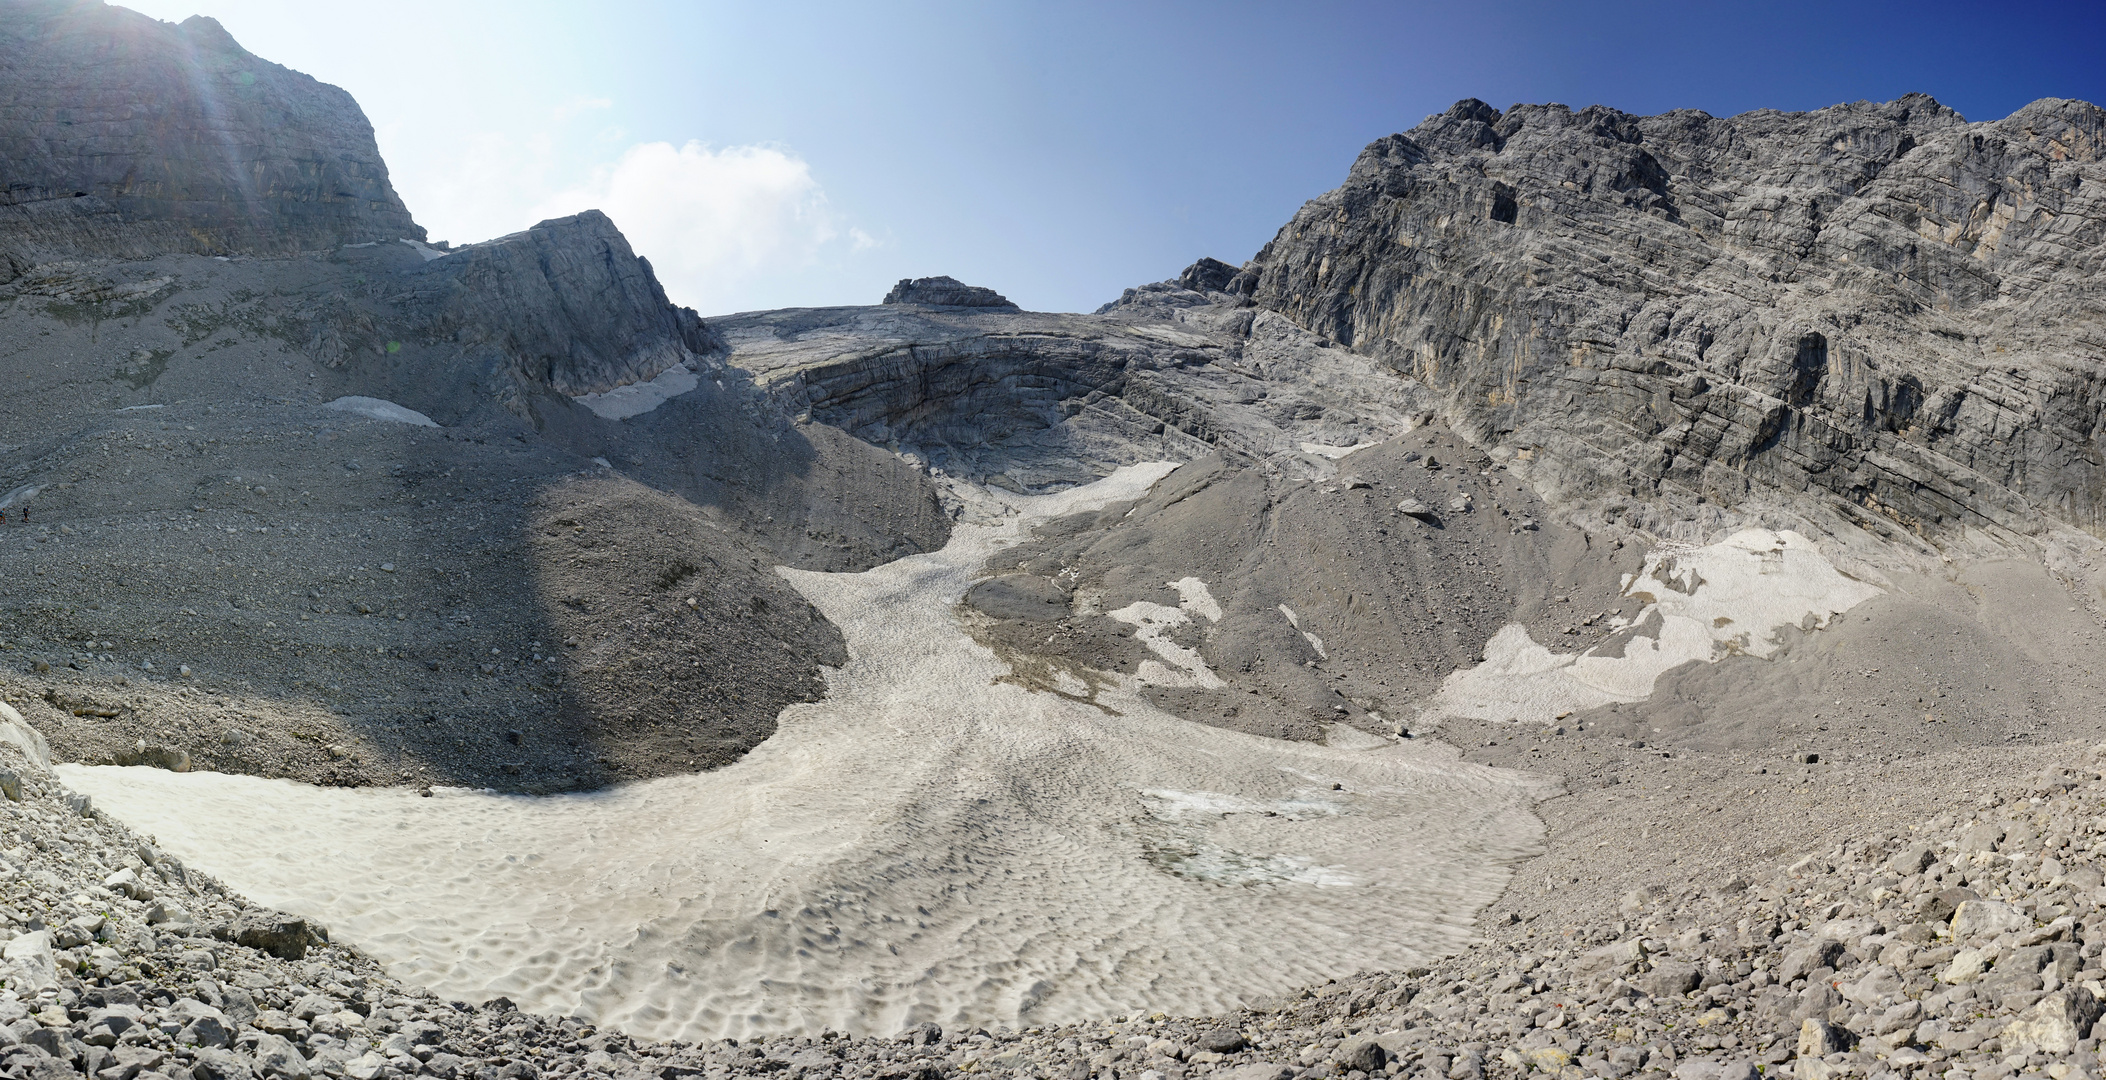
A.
pixel 945 291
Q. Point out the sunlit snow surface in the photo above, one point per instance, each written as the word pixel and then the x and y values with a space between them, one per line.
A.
pixel 927 843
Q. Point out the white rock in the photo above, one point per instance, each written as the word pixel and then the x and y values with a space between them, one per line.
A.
pixel 30 964
pixel 1879 984
pixel 169 914
pixel 127 881
pixel 1967 965
pixel 366 1066
pixel 1978 919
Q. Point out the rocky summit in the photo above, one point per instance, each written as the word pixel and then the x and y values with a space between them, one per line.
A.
pixel 1595 596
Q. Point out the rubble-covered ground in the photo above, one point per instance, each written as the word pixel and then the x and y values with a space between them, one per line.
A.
pixel 1966 947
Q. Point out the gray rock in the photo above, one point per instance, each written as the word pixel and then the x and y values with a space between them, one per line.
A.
pixel 239 1007
pixel 55 1042
pixel 922 1034
pixel 130 1060
pixel 218 1064
pixel 1903 1017
pixel 278 1022
pixel 1207 275
pixel 1939 906
pixel 1967 965
pixel 1670 979
pixel 282 937
pixel 274 1056
pixel 127 882
pixel 107 1025
pixel 568 304
pixel 1615 369
pixel 1799 962
pixel 313 1005
pixel 1875 986
pixel 175 139
pixel 1976 920
pixel 1046 399
pixel 1221 1040
pixel 945 292
pixel 1363 1054
pixel 1983 837
pixel 205 1031
pixel 28 962
pixel 1912 859
pixel 167 913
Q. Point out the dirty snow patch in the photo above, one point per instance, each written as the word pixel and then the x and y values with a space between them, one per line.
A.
pixel 1334 452
pixel 1315 642
pixel 1179 666
pixel 636 399
pixel 1733 597
pixel 377 409
pixel 429 252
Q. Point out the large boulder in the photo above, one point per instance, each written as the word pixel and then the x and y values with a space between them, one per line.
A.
pixel 2054 1024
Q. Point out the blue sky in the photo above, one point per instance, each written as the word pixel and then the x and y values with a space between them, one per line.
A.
pixel 769 155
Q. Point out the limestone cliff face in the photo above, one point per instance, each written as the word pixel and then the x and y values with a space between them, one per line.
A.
pixel 1882 305
pixel 124 137
pixel 568 303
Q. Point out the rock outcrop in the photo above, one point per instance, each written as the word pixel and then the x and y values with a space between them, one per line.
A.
pixel 1034 400
pixel 566 302
pixel 122 136
pixel 946 292
pixel 1882 306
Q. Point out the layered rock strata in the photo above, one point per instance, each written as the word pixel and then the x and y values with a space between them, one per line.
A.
pixel 1877 314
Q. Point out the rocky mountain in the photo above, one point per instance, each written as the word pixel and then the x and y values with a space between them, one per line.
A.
pixel 202 254
pixel 290 492
pixel 1873 314
pixel 123 136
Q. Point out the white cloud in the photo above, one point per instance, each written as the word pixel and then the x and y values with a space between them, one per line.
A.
pixel 474 187
pixel 712 222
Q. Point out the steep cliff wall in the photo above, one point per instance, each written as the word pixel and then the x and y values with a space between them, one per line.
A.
pixel 567 300
pixel 122 136
pixel 1881 305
